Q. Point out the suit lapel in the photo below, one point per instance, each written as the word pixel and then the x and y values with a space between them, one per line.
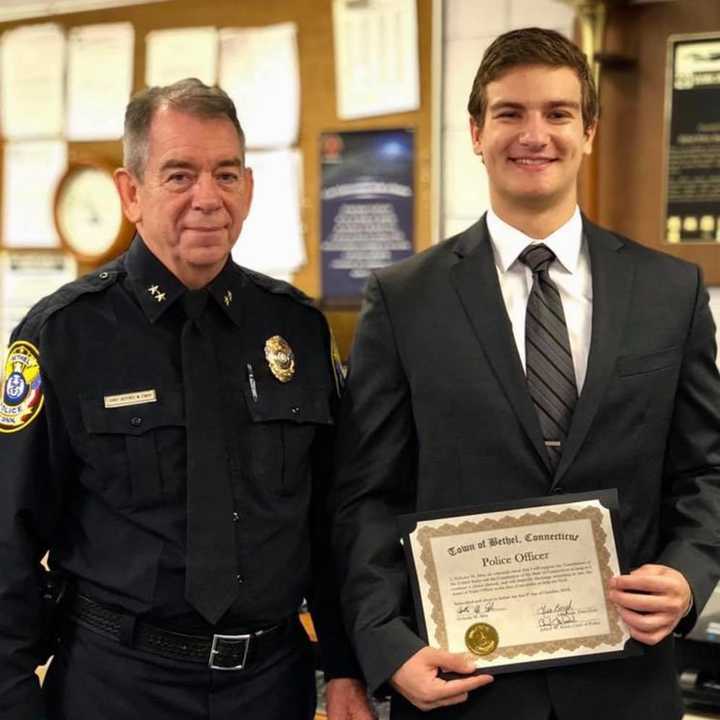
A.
pixel 476 283
pixel 612 278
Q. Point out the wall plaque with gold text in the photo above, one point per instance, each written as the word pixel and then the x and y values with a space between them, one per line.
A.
pixel 692 145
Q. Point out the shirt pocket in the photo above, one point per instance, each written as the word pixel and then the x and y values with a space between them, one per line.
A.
pixel 284 420
pixel 138 451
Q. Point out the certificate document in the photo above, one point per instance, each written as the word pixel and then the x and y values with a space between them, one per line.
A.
pixel 519 585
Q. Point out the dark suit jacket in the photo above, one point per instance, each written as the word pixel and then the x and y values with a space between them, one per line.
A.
pixel 437 415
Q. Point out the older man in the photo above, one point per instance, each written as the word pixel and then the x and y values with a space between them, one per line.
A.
pixel 168 445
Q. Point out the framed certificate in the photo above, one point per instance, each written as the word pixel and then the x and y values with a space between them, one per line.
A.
pixel 521 585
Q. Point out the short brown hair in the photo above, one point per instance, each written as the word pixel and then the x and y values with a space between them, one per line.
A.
pixel 189 96
pixel 533 46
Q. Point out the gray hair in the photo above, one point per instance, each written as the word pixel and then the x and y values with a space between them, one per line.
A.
pixel 189 96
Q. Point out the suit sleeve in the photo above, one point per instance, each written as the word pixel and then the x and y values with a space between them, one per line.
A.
pixel 336 653
pixel 690 519
pixel 34 454
pixel 374 481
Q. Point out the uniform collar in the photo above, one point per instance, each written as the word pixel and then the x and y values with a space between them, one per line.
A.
pixel 225 288
pixel 508 242
pixel 157 289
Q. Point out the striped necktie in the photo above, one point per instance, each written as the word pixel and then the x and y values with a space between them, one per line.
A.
pixel 548 362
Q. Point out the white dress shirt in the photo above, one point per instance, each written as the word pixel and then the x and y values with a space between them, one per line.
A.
pixel 570 272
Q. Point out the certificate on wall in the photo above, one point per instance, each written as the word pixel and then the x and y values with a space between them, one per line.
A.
pixel 32 69
pixel 31 172
pixel 260 70
pixel 179 53
pixel 25 277
pixel 376 57
pixel 692 152
pixel 519 586
pixel 99 80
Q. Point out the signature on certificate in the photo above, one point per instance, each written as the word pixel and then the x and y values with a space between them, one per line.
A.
pixel 474 610
pixel 555 616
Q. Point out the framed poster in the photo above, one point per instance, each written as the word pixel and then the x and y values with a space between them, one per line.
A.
pixel 367 201
pixel 692 140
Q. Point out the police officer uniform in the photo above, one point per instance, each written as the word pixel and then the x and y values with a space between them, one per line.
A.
pixel 94 451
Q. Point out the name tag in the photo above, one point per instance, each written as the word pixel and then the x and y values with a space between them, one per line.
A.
pixel 141 397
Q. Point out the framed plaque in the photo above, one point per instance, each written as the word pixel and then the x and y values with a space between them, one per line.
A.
pixel 367 202
pixel 692 140
pixel 522 585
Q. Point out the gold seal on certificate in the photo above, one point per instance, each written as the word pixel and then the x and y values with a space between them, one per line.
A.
pixel 533 575
pixel 481 638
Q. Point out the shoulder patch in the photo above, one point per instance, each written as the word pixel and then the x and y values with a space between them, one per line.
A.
pixel 22 397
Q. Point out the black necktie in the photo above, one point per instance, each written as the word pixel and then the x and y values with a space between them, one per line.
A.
pixel 211 569
pixel 548 362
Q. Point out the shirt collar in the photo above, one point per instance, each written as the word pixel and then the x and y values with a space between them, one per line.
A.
pixel 157 289
pixel 225 288
pixel 508 242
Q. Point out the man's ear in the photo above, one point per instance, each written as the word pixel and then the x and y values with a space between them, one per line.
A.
pixel 128 186
pixel 589 137
pixel 476 136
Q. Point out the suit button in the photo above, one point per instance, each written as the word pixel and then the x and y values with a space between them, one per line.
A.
pixel 558 490
pixel 136 421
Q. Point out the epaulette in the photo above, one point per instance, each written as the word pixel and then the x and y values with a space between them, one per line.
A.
pixel 93 282
pixel 277 287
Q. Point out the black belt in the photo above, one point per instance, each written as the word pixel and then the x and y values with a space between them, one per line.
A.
pixel 219 652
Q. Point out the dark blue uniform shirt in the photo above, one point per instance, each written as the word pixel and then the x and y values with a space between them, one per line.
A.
pixel 102 484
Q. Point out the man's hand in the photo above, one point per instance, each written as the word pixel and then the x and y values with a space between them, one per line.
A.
pixel 651 600
pixel 418 681
pixel 347 700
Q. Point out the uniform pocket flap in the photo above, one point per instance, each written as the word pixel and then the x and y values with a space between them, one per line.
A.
pixel 289 403
pixel 649 362
pixel 137 419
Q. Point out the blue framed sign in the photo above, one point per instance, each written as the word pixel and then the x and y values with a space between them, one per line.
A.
pixel 367 201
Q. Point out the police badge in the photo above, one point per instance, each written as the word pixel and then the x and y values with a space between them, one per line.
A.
pixel 22 397
pixel 280 358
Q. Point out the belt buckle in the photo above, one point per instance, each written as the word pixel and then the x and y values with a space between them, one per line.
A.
pixel 231 640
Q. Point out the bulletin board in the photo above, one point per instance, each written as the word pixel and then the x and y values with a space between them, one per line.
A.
pixel 313 19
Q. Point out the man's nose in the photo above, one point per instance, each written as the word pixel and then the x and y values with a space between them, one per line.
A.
pixel 206 194
pixel 534 132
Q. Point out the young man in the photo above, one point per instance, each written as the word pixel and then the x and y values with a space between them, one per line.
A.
pixel 164 428
pixel 535 353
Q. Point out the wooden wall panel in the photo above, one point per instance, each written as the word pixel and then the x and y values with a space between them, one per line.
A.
pixel 317 76
pixel 631 135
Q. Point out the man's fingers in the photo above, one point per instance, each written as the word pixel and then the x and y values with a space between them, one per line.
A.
pixel 452 662
pixel 640 602
pixel 464 685
pixel 647 638
pixel 450 692
pixel 642 583
pixel 418 679
pixel 645 623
